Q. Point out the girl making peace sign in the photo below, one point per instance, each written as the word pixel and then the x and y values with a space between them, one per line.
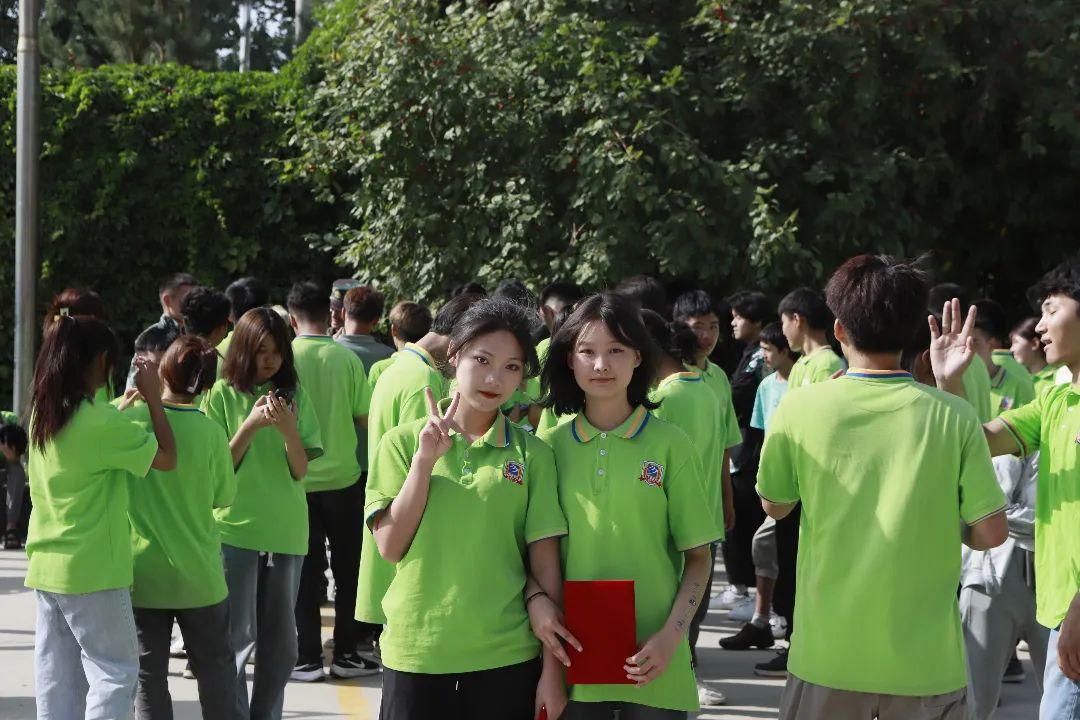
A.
pixel 465 504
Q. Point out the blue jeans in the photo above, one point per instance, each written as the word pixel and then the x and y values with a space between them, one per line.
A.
pixel 86 656
pixel 262 598
pixel 1061 696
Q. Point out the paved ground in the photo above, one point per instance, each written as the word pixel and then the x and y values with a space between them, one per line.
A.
pixel 732 673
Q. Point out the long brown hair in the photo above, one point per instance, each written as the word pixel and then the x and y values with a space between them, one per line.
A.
pixel 255 326
pixel 74 301
pixel 72 344
pixel 189 366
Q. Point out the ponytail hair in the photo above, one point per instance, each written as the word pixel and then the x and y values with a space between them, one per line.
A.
pixel 674 339
pixel 74 301
pixel 189 366
pixel 72 344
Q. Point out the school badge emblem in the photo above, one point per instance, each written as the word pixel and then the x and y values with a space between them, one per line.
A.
pixel 652 473
pixel 514 472
pixel 1007 403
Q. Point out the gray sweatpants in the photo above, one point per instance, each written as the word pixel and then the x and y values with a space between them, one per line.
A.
pixel 763 549
pixel 262 598
pixel 806 701
pixel 992 623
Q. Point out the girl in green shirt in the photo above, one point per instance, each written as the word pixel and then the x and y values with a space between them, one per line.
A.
pixel 273 433
pixel 631 487
pixel 177 546
pixel 1028 350
pixel 81 452
pixel 464 503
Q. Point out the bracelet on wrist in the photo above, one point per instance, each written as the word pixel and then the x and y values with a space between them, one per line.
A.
pixel 534 596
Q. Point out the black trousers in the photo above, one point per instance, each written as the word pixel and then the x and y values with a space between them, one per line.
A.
pixel 206 639
pixel 738 546
pixel 506 693
pixel 787 554
pixel 337 516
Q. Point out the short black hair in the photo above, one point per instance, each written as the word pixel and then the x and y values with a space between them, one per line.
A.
pixel 945 292
pixel 172 283
pixel 1062 280
pixel 307 301
pixel 753 305
pixel 646 292
pixel 675 338
pixel 515 291
pixel 155 339
pixel 773 334
pixel 469 288
pixel 879 300
pixel 14 437
pixel 493 314
pixel 205 309
pixel 245 294
pixel 808 304
pixel 451 312
pixel 696 303
pixel 566 292
pixel 991 319
pixel 623 319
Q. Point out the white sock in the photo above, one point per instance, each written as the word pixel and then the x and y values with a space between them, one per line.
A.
pixel 759 620
pixel 740 589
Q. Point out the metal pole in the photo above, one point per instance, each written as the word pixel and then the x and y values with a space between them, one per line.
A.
pixel 245 35
pixel 27 154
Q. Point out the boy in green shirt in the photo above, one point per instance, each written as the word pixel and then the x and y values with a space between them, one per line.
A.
pixel 409 322
pixel 399 398
pixel 887 471
pixel 334 379
pixel 1010 383
pixel 805 319
pixel 1050 425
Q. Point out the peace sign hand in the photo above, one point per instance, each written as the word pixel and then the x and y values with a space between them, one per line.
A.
pixel 951 350
pixel 435 440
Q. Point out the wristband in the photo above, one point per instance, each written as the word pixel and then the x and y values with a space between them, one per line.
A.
pixel 534 595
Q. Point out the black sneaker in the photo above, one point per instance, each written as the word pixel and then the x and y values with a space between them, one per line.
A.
pixel 749 636
pixel 1014 671
pixel 311 672
pixel 777 667
pixel 12 541
pixel 353 666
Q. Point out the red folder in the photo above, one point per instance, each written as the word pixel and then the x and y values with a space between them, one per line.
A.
pixel 600 614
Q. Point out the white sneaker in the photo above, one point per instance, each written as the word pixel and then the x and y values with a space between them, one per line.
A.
pixel 176 649
pixel 728 599
pixel 779 626
pixel 743 611
pixel 707 697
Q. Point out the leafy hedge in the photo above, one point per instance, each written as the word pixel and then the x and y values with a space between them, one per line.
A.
pixel 152 170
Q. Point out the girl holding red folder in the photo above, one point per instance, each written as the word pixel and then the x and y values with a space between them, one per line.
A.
pixel 631 487
pixel 465 504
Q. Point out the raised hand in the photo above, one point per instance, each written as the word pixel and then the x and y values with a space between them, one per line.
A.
pixel 951 349
pixel 146 379
pixel 435 440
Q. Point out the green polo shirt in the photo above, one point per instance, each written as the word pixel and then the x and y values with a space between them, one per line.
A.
pixel 269 512
pixel 335 382
pixel 78 540
pixel 717 380
pixel 689 404
pixel 1005 358
pixel 816 367
pixel 456 602
pixel 887 471
pixel 378 367
pixel 1051 424
pixel 1045 378
pixel 976 381
pixel 174 535
pixel 398 399
pixel 1009 390
pixel 634 503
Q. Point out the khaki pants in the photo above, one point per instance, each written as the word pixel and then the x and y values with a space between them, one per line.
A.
pixel 806 701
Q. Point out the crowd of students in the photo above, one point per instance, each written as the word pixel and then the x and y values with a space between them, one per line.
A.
pixel 452 482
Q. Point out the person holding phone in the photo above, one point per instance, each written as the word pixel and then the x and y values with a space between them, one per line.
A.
pixel 273 433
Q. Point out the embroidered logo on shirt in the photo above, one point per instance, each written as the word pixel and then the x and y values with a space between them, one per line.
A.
pixel 514 472
pixel 652 473
pixel 1007 403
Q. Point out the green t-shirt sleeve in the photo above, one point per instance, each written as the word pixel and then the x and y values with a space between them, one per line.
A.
pixel 1025 424
pixel 387 474
pixel 125 444
pixel 213 406
pixel 544 517
pixel 691 517
pixel 980 494
pixel 225 476
pixel 825 370
pixel 307 423
pixel 776 479
pixel 414 405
